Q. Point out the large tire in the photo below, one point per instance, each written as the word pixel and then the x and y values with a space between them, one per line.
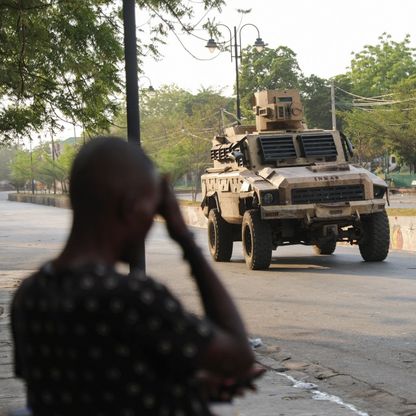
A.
pixel 220 237
pixel 326 248
pixel 375 241
pixel 257 241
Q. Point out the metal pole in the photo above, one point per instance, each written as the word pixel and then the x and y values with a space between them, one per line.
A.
pixel 132 91
pixel 53 162
pixel 237 84
pixel 334 117
pixel 31 167
pixel 75 135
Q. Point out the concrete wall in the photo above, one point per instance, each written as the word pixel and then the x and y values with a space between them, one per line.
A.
pixel 402 229
pixel 403 233
pixel 50 200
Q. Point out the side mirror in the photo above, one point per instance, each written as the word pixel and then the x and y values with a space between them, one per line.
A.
pixel 237 156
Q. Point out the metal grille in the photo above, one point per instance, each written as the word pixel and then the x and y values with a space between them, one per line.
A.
pixel 220 153
pixel 223 154
pixel 318 145
pixel 276 148
pixel 328 194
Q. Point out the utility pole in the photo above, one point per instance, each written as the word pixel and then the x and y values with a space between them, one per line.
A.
pixel 237 83
pixel 132 92
pixel 334 117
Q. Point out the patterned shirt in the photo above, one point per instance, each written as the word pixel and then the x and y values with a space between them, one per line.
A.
pixel 92 341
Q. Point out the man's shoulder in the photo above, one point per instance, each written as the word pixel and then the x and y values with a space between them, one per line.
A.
pixel 27 282
pixel 96 281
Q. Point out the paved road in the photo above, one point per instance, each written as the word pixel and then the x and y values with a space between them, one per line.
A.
pixel 333 320
pixel 403 200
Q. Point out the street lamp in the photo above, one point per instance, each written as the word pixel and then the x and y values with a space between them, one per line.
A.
pixel 132 94
pixel 150 87
pixel 236 46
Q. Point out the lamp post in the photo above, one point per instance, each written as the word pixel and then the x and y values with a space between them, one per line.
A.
pixel 150 88
pixel 132 93
pixel 235 45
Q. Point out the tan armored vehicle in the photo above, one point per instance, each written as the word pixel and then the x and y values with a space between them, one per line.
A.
pixel 279 183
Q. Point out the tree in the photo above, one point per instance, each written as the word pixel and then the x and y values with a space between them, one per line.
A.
pixel 63 165
pixel 177 126
pixel 367 134
pixel 270 69
pixel 385 121
pixel 317 102
pixel 61 59
pixel 21 171
pixel 379 68
pixel 6 156
pixel 399 122
pixel 279 69
pixel 41 166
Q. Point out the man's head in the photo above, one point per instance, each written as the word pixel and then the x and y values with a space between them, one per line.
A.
pixel 113 184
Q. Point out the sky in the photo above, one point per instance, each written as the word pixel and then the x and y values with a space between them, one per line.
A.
pixel 322 33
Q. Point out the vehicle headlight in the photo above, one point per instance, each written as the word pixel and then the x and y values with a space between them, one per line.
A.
pixel 379 191
pixel 269 198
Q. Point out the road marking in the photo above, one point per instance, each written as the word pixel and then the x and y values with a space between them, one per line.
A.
pixel 319 395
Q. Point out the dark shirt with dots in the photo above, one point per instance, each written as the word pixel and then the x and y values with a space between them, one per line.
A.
pixel 94 342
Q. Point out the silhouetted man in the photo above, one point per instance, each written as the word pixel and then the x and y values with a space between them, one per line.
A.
pixel 92 341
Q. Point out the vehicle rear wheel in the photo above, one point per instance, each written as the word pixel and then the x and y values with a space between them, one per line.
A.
pixel 375 242
pixel 220 237
pixel 326 248
pixel 257 241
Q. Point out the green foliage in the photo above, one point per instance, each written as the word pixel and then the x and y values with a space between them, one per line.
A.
pixel 387 123
pixel 61 59
pixel 279 69
pixel 21 171
pixel 46 171
pixel 316 96
pixel 270 69
pixel 378 68
pixel 6 156
pixel 367 134
pixel 177 127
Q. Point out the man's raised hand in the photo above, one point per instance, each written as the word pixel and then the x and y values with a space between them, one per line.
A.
pixel 169 209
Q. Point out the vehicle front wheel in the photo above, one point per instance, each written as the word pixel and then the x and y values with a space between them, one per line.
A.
pixel 375 241
pixel 220 237
pixel 326 248
pixel 257 241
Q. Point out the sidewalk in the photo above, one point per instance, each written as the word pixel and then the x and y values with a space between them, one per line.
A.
pixel 11 389
pixel 279 394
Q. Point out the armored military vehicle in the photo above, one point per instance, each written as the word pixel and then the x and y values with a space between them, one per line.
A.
pixel 278 183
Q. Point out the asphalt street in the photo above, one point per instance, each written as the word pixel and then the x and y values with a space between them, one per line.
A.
pixel 345 325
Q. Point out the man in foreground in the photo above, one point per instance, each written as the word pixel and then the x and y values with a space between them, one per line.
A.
pixel 91 341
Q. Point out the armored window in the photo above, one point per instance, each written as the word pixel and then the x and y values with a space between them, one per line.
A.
pixel 275 148
pixel 318 146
